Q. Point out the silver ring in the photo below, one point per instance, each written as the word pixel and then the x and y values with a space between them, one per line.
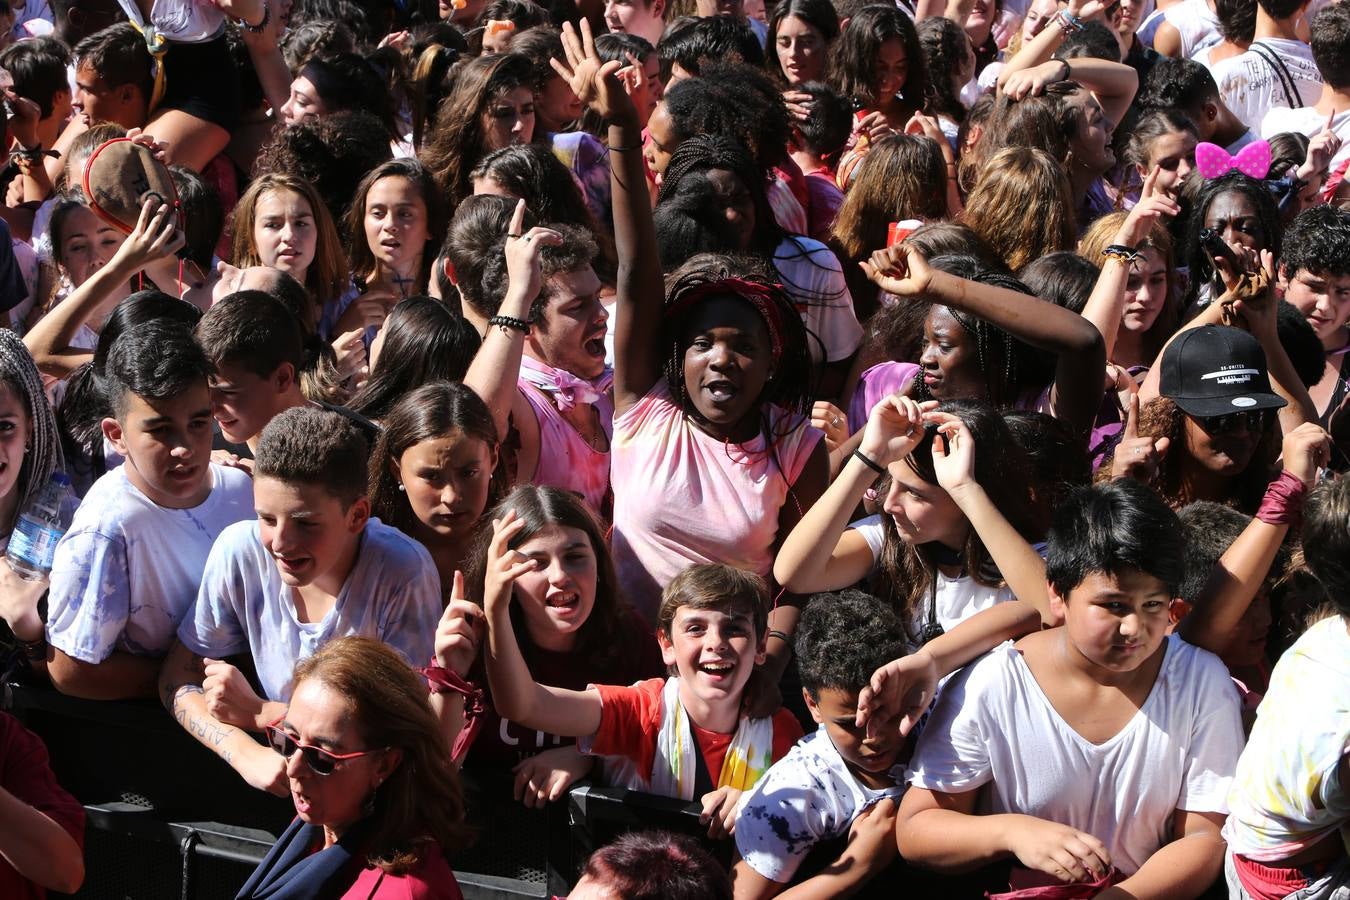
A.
pixel 1138 451
pixel 834 422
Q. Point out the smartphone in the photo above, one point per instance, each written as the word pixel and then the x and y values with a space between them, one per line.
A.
pixel 1216 248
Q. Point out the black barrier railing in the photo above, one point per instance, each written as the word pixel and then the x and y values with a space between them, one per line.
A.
pixel 168 819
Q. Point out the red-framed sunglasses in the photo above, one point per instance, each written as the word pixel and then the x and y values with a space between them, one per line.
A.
pixel 319 760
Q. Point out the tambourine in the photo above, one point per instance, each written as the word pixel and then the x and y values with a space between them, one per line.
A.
pixel 120 176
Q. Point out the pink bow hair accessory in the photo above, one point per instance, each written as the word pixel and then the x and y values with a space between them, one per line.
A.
pixel 1252 160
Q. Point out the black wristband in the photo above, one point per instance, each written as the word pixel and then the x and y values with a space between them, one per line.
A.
pixel 1121 252
pixel 510 322
pixel 869 462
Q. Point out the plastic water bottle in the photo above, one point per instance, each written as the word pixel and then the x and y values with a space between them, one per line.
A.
pixel 32 546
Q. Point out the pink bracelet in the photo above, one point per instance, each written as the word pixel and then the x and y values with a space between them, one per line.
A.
pixel 1283 502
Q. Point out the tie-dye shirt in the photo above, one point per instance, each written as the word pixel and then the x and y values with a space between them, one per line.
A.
pixel 682 496
pixel 127 570
pixel 1286 795
pixel 807 798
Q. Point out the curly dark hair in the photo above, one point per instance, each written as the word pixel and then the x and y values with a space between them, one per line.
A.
pixel 1211 529
pixel 733 100
pixel 843 638
pixel 332 154
pixel 944 44
pixel 1318 242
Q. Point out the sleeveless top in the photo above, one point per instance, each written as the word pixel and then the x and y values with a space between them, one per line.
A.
pixel 566 459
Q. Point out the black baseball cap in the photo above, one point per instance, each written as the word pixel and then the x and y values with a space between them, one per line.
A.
pixel 1214 370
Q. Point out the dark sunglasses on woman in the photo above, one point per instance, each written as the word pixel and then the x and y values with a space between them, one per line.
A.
pixel 319 760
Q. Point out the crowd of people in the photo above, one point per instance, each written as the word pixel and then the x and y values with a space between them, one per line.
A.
pixel 914 433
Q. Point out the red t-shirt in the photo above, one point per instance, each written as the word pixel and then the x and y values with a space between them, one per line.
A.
pixel 501 743
pixel 26 773
pixel 630 722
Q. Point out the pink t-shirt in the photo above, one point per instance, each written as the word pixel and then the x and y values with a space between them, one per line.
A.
pixel 683 497
pixel 566 459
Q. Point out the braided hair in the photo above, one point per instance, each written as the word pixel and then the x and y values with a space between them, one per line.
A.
pixel 43 455
pixel 1008 364
pixel 702 153
pixel 791 386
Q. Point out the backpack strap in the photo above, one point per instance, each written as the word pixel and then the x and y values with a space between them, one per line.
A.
pixel 1287 83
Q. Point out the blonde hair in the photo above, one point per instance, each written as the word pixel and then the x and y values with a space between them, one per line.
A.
pixel 902 177
pixel 1022 206
pixel 327 276
pixel 422 799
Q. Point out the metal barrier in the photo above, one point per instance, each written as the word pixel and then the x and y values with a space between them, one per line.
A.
pixel 168 819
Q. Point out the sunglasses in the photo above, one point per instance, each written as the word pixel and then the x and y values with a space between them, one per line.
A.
pixel 319 760
pixel 1252 420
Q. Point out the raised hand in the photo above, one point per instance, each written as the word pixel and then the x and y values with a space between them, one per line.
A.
pixel 504 565
pixel 1252 301
pixel 1154 205
pixel 460 631
pixel 1137 456
pixel 595 83
pixel 1032 82
pixel 894 428
pixel 155 237
pixel 953 451
pixel 902 270
pixel 524 253
pixel 1323 146
pixel 1305 450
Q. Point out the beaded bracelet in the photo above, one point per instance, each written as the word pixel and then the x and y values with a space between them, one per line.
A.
pixel 510 322
pixel 1068 23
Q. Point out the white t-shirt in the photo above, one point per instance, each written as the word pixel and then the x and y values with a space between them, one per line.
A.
pixel 392 593
pixel 807 797
pixel 993 725
pixel 126 571
pixel 1287 795
pixel 1308 121
pixel 957 598
pixel 1251 86
pixel 813 279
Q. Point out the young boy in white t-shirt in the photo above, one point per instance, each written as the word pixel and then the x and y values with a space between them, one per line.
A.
pixel 841 781
pixel 312 567
pixel 129 566
pixel 1099 752
pixel 1290 803
pixel 1330 42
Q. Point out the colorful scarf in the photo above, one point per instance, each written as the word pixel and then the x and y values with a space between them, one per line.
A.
pixel 567 389
pixel 674 765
